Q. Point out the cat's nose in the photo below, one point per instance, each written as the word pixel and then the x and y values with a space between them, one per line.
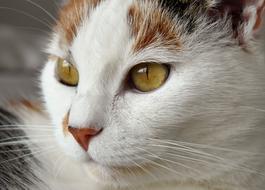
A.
pixel 83 135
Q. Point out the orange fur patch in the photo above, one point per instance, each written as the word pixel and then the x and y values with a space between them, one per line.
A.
pixel 71 16
pixel 34 106
pixel 151 25
pixel 65 124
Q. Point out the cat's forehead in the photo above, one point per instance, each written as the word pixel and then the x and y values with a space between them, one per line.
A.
pixel 149 21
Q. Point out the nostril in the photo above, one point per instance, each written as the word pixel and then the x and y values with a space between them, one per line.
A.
pixel 83 135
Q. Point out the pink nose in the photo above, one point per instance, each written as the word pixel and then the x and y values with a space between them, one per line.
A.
pixel 83 136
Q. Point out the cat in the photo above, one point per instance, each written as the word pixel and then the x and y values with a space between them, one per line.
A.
pixel 146 95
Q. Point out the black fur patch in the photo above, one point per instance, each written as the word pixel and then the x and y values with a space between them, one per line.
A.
pixel 176 6
pixel 187 10
pixel 15 170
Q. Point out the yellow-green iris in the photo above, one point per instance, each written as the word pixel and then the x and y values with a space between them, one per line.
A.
pixel 67 73
pixel 149 76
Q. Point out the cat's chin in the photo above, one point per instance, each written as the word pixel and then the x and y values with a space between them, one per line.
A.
pixel 110 176
pixel 100 174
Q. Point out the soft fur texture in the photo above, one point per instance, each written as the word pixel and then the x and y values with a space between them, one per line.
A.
pixel 203 129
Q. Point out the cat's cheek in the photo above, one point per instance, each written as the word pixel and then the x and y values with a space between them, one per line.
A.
pixel 58 98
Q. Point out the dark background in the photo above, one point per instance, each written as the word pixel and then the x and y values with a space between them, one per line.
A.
pixel 24 30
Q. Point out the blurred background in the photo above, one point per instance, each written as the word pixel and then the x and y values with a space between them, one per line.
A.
pixel 24 28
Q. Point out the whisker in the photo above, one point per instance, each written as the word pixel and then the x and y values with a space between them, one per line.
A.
pixel 19 150
pixel 162 166
pixel 144 169
pixel 26 155
pixel 28 15
pixel 216 164
pixel 60 167
pixel 186 158
pixel 28 141
pixel 189 150
pixel 14 128
pixel 212 158
pixel 31 125
pixel 166 160
pixel 31 28
pixel 179 143
pixel 27 129
pixel 24 137
pixel 26 125
pixel 44 10
pixel 60 157
pixel 141 167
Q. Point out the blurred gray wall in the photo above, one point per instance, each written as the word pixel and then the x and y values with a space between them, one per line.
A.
pixel 24 28
pixel 11 17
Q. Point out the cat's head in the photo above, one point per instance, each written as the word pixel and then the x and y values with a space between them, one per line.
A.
pixel 144 91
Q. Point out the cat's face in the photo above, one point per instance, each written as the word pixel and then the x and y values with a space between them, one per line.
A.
pixel 151 131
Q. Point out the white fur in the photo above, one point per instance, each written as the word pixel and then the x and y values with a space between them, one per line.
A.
pixel 214 97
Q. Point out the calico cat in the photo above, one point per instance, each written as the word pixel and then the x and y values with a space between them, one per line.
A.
pixel 146 95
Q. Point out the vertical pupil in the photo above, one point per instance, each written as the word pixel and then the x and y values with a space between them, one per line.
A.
pixel 69 70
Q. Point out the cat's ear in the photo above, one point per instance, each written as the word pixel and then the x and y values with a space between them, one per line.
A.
pixel 247 15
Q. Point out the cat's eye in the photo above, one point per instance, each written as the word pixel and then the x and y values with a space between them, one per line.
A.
pixel 147 77
pixel 67 73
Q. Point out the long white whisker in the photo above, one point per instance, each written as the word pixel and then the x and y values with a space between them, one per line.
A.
pixel 186 158
pixel 142 167
pixel 180 143
pixel 32 29
pixel 24 137
pixel 19 150
pixel 211 157
pixel 27 129
pixel 190 151
pixel 28 15
pixel 44 10
pixel 166 160
pixel 56 163
pixel 28 141
pixel 31 125
pixel 160 165
pixel 60 167
pixel 26 155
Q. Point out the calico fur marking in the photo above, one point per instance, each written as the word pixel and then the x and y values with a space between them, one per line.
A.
pixel 27 104
pixel 65 124
pixel 151 25
pixel 71 16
